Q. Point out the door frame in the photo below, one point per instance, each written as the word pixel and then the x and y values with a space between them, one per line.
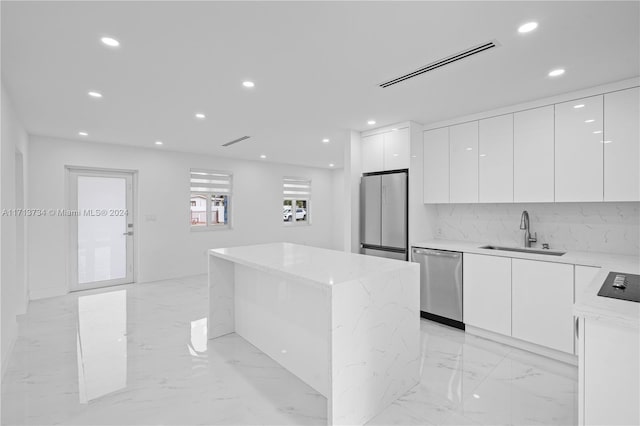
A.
pixel 71 173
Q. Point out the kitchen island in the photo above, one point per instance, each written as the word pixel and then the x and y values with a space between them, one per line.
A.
pixel 345 324
pixel 608 353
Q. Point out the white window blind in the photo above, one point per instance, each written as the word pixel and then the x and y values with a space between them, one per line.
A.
pixel 296 188
pixel 211 182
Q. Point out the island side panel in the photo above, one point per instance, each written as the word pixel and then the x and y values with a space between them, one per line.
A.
pixel 287 319
pixel 375 343
pixel 221 297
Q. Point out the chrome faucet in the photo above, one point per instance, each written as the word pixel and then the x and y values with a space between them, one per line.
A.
pixel 524 225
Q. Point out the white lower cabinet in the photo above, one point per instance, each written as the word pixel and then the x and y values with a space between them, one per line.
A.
pixel 487 292
pixel 609 374
pixel 542 303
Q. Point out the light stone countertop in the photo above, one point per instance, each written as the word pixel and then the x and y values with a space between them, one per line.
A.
pixel 588 304
pixel 313 264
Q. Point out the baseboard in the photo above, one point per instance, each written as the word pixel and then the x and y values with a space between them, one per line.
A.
pixel 527 346
pixel 45 293
pixel 10 345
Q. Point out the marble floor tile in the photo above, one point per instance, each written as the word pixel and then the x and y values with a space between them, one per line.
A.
pixel 139 355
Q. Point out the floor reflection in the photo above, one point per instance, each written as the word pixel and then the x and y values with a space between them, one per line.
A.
pixel 102 344
pixel 198 343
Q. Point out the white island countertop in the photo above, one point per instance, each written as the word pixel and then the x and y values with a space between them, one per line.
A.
pixel 313 264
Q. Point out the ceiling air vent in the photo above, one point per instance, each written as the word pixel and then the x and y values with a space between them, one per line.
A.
pixel 442 62
pixel 236 140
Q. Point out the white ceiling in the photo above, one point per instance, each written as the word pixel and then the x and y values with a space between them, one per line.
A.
pixel 316 66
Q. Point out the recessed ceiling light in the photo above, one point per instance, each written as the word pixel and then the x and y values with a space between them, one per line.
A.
pixel 325 140
pixel 83 133
pixel 483 155
pixel 371 122
pixel 396 155
pixel 591 120
pixel 556 73
pixel 331 164
pixel 578 106
pixel 248 84
pixel 394 129
pixel 528 27
pixel 597 132
pixel 469 149
pixel 158 142
pixel 414 156
pixel 94 94
pixel 201 116
pixel 109 41
pixel 263 156
pixel 605 141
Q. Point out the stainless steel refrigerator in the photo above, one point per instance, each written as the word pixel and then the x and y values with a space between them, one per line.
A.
pixel 384 214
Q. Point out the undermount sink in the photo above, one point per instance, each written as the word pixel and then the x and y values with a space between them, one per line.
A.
pixel 525 250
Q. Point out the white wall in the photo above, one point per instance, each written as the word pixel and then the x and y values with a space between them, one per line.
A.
pixel 352 175
pixel 337 235
pixel 13 230
pixel 166 247
pixel 599 227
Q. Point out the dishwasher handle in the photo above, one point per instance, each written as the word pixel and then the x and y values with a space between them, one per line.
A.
pixel 428 252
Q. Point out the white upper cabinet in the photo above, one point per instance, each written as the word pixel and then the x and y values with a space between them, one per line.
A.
pixel 386 151
pixel 372 153
pixel 495 176
pixel 436 166
pixel 579 150
pixel 622 145
pixel 533 155
pixel 463 163
pixel 396 149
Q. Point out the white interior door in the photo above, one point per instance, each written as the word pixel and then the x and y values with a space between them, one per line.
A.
pixel 101 229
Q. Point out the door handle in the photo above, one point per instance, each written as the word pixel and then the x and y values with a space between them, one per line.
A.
pixel 128 233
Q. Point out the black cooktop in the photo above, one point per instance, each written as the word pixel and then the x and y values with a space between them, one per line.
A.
pixel 619 285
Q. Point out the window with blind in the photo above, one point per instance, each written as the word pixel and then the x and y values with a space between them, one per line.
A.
pixel 210 199
pixel 297 200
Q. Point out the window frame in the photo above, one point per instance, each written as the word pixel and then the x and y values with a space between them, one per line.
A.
pixel 294 198
pixel 208 195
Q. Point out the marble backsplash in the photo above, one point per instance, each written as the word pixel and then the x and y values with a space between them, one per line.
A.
pixel 595 227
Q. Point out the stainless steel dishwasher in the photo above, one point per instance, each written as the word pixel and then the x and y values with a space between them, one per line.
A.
pixel 440 285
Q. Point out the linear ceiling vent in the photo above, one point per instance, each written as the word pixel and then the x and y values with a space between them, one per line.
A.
pixel 442 62
pixel 236 140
